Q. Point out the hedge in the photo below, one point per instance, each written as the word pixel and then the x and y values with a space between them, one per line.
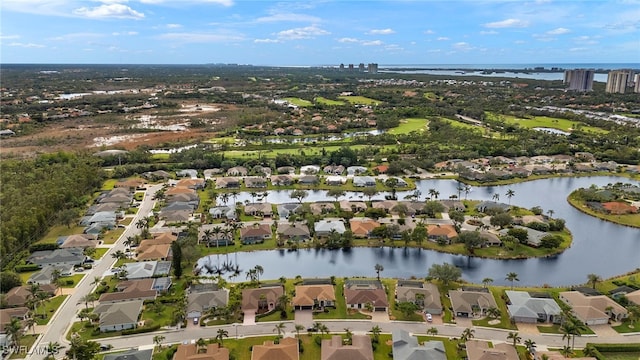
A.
pixel 617 347
pixel 43 246
pixel 141 330
pixel 27 268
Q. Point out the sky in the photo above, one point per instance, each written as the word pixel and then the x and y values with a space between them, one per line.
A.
pixel 322 32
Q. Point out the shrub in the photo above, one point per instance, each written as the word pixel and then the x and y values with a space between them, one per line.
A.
pixel 27 268
pixel 43 246
pixel 141 330
pixel 318 340
pixel 538 226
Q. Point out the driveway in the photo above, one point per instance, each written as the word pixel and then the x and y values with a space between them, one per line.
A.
pixel 380 316
pixel 249 318
pixel 304 317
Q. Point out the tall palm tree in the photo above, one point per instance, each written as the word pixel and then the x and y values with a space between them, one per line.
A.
pixel 467 190
pixel 220 335
pixel 14 331
pixel 496 197
pixel 34 296
pixel 280 328
pixel 467 334
pixel 530 344
pixel 550 212
pixel 510 193
pixel 376 331
pixel 593 279
pixel 486 281
pixel 158 339
pixel 349 335
pixel 30 323
pixel 225 198
pixel 298 328
pixel 432 193
pixel 514 337
pixel 378 268
pixel 259 271
pixel 512 276
pixel 52 350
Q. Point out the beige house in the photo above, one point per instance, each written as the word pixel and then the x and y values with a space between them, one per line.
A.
pixel 261 300
pixel 190 352
pixel 334 348
pixel 310 297
pixel 471 303
pixel 593 310
pixel 425 295
pixel 480 350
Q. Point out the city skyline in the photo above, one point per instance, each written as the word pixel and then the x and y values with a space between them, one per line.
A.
pixel 319 32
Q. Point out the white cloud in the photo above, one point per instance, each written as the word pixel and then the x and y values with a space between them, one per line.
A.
pixel 429 32
pixel 26 45
pixel 130 33
pixel 302 33
pixel 201 37
pixel 288 17
pixel 519 42
pixel 348 40
pixel 9 37
pixel 558 31
pixel 372 43
pixel 381 32
pixel 226 3
pixel 464 46
pixel 508 23
pixel 173 26
pixel 578 49
pixel 77 36
pixel 543 37
pixel 442 38
pixel 490 32
pixel 119 11
pixel 266 41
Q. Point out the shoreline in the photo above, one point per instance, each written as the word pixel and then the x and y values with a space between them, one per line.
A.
pixel 580 206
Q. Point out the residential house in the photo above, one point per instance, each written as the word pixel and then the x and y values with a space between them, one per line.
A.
pixel 619 208
pixel 634 297
pixel 362 227
pixel 335 349
pixel 525 308
pixel 259 209
pixel 356 170
pixel 534 237
pixel 385 205
pixel 156 175
pixel 227 183
pixel 441 232
pixel 210 173
pixel 353 206
pixel 593 310
pixel 381 169
pixel 200 302
pixel 131 290
pixel 319 208
pixel 425 295
pixel 237 171
pixel 311 297
pixel 406 347
pixel 255 182
pixel 71 256
pixel 309 169
pixel 46 275
pixel 411 207
pixel 178 216
pixel 193 183
pixel 281 180
pixel 326 227
pixel 78 241
pixel 131 354
pixel 308 180
pixel 106 219
pixel 194 352
pixel 480 350
pixel 284 210
pixel 452 205
pixel 261 300
pixel 118 316
pixel 361 294
pixel 296 231
pixel 146 269
pixel 223 212
pixel 472 302
pixel 364 181
pixel 286 170
pixel 485 206
pixel 334 169
pixel 190 173
pixel 154 252
pixel 6 315
pixel 400 182
pixel 490 239
pixel 19 295
pixel 335 180
pixel 255 233
pixel 286 349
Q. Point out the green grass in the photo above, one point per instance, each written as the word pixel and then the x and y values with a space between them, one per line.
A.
pixel 460 124
pixel 408 125
pixel 161 315
pixel 298 102
pixel 49 308
pixel 99 253
pixel 60 230
pixel 27 341
pixel 360 100
pixel 548 122
pixel 340 311
pixel 75 278
pixel 109 184
pixel 112 235
pixel 329 102
pixel 626 327
pixel 621 355
pixel 632 220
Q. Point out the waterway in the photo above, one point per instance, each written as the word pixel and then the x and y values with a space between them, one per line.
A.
pixel 598 247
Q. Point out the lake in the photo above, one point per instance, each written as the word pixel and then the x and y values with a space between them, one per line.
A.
pixel 598 247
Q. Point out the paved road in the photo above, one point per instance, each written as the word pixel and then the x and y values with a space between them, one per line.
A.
pixel 62 319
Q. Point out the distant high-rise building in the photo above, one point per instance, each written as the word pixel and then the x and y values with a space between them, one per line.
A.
pixel 350 67
pixel 372 68
pixel 636 80
pixel 341 67
pixel 617 81
pixel 579 79
pixel 361 67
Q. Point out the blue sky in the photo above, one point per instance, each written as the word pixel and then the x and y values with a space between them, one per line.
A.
pixel 319 32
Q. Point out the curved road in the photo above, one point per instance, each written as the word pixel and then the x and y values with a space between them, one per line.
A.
pixel 63 318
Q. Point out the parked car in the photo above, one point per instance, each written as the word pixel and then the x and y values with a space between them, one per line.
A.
pixel 429 317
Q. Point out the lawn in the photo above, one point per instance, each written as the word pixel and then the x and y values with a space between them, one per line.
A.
pixel 60 230
pixel 298 102
pixel 340 311
pixel 329 102
pixel 409 125
pixel 547 122
pixel 26 342
pixel 99 253
pixel 360 100
pixel 74 280
pixel 505 321
pixel 49 308
pixel 112 235
pixel 460 124
pixel 626 327
pixel 627 219
pixel 109 184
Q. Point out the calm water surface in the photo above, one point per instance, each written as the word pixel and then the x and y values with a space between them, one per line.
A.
pixel 599 247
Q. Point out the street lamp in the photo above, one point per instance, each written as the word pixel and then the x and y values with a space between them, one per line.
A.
pixel 235 325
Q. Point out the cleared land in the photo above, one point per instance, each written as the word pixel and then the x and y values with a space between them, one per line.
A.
pixel 325 101
pixel 546 122
pixel 408 125
pixel 298 102
pixel 360 100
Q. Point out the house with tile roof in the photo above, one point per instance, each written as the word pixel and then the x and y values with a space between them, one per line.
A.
pixel 361 294
pixel 425 295
pixel 192 352
pixel 335 349
pixel 469 303
pixel 286 349
pixel 309 297
pixel 131 290
pixel 297 231
pixel 362 227
pixel 327 226
pixel 118 316
pixel 200 302
pixel 19 295
pixel 441 232
pixel 593 310
pixel 525 308
pixel 480 350
pixel 255 233
pixel 261 300
pixel 131 354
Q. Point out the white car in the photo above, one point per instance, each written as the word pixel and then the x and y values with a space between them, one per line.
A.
pixel 429 317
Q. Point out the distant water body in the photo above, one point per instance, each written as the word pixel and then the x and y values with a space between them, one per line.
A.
pixel 522 71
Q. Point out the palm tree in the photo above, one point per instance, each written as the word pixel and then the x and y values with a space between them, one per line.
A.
pixel 119 255
pixel 259 271
pixel 510 193
pixel 432 193
pixel 253 195
pixel 514 337
pixel 467 334
pixel 52 350
pixel 158 339
pixel 30 323
pixel 252 275
pixel 530 344
pixel 298 328
pixel 467 190
pixel 13 331
pixel 486 281
pixel 221 334
pixel 512 276
pixel 593 279
pixel 280 328
pixel 496 197
pixel 375 331
pixel 550 213
pixel 225 198
pixel 566 351
pixel 33 297
pixel 378 269
pixel 234 194
pixel 200 343
pixel 432 331
pixel 349 335
pixel 568 329
pixel 97 280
